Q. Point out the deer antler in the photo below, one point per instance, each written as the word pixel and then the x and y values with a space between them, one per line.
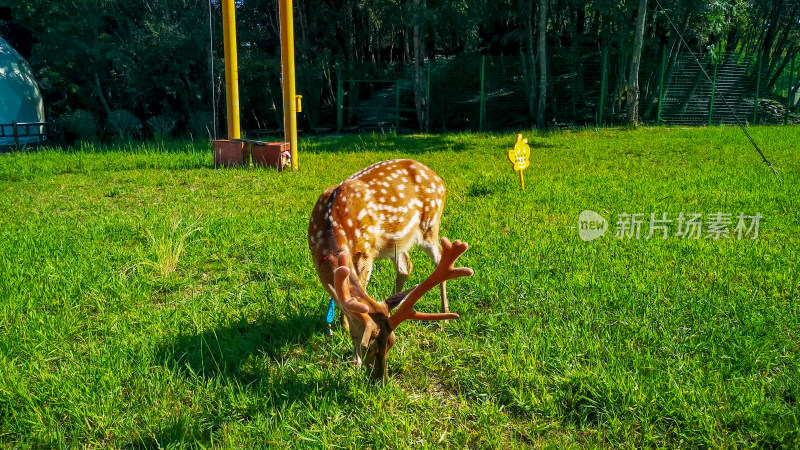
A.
pixel 444 271
pixel 342 287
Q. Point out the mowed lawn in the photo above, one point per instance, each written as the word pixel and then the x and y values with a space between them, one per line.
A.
pixel 149 300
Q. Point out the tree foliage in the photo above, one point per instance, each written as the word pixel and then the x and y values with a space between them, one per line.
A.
pixel 152 57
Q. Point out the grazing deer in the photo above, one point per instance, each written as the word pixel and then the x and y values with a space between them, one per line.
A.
pixel 381 212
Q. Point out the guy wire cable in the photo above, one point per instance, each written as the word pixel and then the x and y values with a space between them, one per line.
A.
pixel 211 62
pixel 724 100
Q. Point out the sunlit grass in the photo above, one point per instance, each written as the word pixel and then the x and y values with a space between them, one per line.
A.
pixel 149 300
pixel 169 245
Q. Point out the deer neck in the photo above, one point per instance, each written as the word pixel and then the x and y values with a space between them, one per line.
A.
pixel 328 241
pixel 325 240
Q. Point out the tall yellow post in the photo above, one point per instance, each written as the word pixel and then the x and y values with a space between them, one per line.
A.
pixel 231 68
pixel 290 99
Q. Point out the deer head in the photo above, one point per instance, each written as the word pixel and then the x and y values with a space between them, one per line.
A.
pixel 386 316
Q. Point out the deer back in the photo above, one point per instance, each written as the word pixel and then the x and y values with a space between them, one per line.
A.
pixel 384 208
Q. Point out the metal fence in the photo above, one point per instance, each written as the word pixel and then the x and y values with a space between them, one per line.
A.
pixel 20 134
pixel 483 93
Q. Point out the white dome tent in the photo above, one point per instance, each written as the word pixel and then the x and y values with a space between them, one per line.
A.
pixel 21 106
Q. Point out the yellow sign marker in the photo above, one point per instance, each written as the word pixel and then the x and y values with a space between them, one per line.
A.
pixel 519 157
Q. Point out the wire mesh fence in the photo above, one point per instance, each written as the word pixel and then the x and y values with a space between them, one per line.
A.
pixel 584 88
pixel 716 90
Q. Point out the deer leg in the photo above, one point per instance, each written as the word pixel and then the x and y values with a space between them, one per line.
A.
pixel 355 338
pixel 443 290
pixel 363 271
pixel 360 336
pixel 403 267
pixel 433 249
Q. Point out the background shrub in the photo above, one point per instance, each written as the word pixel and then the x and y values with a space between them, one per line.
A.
pixel 82 125
pixel 123 124
pixel 161 126
pixel 200 126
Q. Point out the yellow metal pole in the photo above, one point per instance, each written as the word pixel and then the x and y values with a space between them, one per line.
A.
pixel 290 98
pixel 231 68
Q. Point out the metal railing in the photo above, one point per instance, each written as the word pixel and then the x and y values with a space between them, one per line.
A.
pixel 23 133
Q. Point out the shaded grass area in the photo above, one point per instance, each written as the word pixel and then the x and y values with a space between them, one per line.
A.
pixel 612 342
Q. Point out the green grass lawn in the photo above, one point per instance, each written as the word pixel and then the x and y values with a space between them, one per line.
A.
pixel 147 299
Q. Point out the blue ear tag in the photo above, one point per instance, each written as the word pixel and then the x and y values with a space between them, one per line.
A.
pixel 331 312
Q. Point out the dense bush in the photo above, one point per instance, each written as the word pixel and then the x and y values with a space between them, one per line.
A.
pixel 200 126
pixel 123 124
pixel 81 125
pixel 161 126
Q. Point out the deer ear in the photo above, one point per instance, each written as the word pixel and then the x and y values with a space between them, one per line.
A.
pixel 395 300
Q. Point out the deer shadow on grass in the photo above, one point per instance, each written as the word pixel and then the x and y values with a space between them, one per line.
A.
pixel 268 358
pixel 254 355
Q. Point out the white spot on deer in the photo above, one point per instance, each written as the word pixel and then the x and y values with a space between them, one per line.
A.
pixel 350 223
pixel 382 199
pixel 362 214
pixel 383 191
pixel 401 187
pixel 358 232
pixel 401 195
pixel 394 199
pixel 319 234
pixel 418 179
pixel 404 232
